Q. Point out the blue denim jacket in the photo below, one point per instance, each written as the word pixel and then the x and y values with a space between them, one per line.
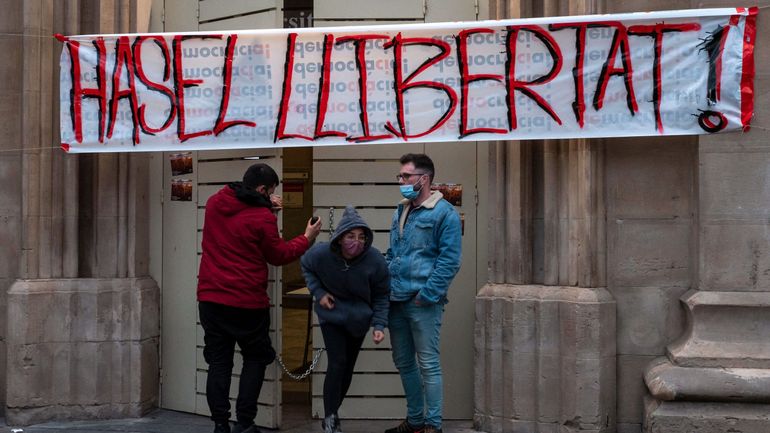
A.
pixel 424 257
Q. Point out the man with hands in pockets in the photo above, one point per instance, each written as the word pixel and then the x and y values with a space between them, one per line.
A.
pixel 423 258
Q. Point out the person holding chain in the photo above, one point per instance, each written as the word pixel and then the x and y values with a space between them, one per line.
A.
pixel 240 239
pixel 350 283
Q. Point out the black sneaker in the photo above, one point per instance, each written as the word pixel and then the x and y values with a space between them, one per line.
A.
pixel 240 428
pixel 331 424
pixel 405 427
pixel 431 429
pixel 222 427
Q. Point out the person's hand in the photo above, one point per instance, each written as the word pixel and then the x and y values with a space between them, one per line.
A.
pixel 277 202
pixel 327 301
pixel 378 336
pixel 312 230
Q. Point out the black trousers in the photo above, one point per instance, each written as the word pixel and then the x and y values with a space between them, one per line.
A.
pixel 223 327
pixel 341 351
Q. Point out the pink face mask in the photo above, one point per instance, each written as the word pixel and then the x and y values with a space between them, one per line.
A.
pixel 352 247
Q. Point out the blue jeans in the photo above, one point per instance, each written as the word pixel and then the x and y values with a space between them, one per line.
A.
pixel 414 336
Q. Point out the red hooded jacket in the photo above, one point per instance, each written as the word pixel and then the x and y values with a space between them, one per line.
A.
pixel 239 241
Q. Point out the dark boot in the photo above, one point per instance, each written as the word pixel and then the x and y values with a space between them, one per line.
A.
pixel 331 424
pixel 240 428
pixel 222 427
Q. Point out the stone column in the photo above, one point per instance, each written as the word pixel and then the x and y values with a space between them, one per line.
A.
pixel 573 213
pixel 11 28
pixel 83 318
pixel 545 324
pixel 545 353
pixel 716 376
pixel 510 184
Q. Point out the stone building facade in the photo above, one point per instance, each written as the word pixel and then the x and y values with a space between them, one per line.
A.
pixel 629 289
pixel 79 335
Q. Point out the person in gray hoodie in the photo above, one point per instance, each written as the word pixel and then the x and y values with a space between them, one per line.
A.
pixel 350 283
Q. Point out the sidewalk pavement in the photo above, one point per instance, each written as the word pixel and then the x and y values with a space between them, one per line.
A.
pixel 166 421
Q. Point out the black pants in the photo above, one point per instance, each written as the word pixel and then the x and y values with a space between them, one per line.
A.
pixel 224 326
pixel 341 352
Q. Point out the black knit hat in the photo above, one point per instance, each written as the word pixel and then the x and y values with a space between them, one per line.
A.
pixel 260 174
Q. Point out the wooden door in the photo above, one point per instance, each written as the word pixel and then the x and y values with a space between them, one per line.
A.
pixel 183 369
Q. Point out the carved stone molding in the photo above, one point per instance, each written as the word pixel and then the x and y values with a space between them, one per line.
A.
pixel 724 330
pixel 669 382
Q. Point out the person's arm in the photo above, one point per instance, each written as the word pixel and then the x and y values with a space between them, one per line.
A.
pixel 448 260
pixel 380 287
pixel 393 231
pixel 317 289
pixel 278 252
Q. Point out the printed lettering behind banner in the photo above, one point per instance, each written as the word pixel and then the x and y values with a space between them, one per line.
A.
pixel 662 73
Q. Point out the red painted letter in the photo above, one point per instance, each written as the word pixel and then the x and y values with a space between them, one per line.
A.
pixel 123 56
pixel 656 32
pixel 288 68
pixel 619 40
pixel 467 78
pixel 359 41
pixel 402 84
pixel 78 93
pixel 142 76
pixel 323 95
pixel 227 77
pixel 180 83
pixel 578 105
pixel 512 84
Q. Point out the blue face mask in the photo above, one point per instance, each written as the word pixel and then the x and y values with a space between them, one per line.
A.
pixel 408 192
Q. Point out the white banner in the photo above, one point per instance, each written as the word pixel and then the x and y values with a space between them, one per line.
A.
pixel 659 73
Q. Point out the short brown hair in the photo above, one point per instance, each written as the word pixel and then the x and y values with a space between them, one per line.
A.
pixel 421 161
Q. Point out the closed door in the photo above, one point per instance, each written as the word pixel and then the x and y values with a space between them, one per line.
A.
pixel 183 369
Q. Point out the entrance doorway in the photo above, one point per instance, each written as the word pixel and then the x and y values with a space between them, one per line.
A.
pixel 364 176
pixel 318 179
pixel 297 187
pixel 185 193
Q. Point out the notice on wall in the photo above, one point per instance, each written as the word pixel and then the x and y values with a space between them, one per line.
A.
pixel 181 190
pixel 181 163
pixel 293 193
pixel 640 74
pixel 452 192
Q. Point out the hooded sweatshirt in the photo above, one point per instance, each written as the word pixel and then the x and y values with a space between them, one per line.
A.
pixel 240 238
pixel 360 286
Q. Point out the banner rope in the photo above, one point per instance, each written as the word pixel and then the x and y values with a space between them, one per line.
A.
pixel 29 148
pixel 753 126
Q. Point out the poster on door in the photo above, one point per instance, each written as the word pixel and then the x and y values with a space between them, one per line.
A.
pixel 638 74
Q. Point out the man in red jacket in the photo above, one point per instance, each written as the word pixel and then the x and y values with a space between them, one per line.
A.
pixel 240 238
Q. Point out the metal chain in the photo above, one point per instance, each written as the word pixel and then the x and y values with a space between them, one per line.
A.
pixel 331 222
pixel 317 354
pixel 307 372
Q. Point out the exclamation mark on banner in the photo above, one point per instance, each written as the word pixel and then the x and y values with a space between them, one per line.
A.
pixel 713 45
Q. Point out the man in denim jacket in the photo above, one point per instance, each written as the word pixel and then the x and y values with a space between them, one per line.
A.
pixel 423 258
